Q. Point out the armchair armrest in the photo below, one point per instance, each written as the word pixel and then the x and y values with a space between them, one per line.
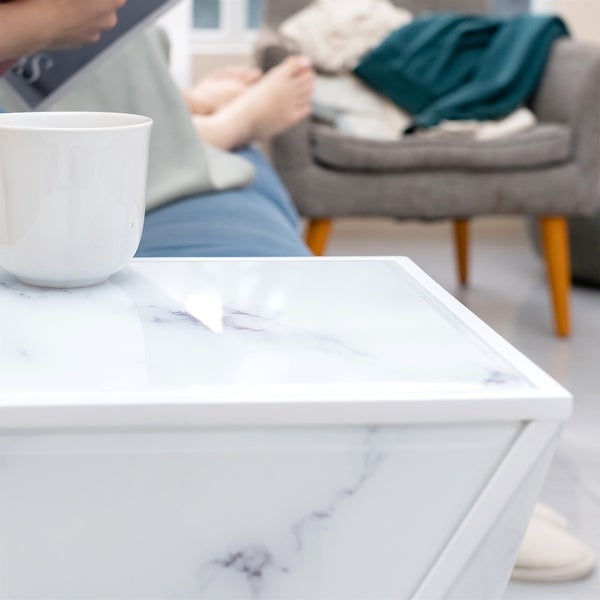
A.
pixel 570 93
pixel 570 83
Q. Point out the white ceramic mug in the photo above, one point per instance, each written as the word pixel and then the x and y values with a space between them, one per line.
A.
pixel 72 194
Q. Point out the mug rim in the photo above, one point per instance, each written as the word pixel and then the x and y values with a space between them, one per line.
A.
pixel 131 121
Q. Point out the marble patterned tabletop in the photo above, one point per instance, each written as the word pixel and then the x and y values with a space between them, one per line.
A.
pixel 270 341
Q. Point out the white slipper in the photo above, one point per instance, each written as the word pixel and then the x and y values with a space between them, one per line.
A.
pixel 549 514
pixel 550 553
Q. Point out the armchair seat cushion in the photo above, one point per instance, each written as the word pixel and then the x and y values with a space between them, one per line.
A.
pixel 543 145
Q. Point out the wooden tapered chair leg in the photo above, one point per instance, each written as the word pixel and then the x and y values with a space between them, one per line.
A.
pixel 317 234
pixel 461 245
pixel 555 242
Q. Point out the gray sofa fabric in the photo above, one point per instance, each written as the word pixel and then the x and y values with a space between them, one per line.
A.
pixel 569 93
pixel 332 194
pixel 544 145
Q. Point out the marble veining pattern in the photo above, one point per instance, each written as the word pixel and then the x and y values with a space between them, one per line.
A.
pixel 256 562
pixel 269 513
pixel 252 562
pixel 181 324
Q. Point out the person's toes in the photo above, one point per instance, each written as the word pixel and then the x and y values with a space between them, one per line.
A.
pixel 304 91
pixel 251 75
pixel 304 79
pixel 303 107
pixel 295 64
pixel 304 64
pixel 302 112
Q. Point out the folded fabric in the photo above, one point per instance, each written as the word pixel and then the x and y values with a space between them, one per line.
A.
pixel 456 67
pixel 344 102
pixel 334 34
pixel 136 79
pixel 478 131
pixel 351 107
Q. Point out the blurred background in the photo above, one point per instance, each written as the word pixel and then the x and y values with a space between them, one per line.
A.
pixel 210 33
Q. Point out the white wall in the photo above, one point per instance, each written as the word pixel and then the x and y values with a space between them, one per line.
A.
pixel 178 24
pixel 582 16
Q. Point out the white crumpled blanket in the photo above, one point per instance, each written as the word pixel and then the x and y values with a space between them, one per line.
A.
pixel 335 34
pixel 356 110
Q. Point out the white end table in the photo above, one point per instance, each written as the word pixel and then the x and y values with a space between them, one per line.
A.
pixel 274 429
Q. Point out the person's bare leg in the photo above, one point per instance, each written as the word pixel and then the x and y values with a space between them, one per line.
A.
pixel 278 101
pixel 243 73
pixel 220 87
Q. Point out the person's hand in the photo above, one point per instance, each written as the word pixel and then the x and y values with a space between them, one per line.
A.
pixel 71 23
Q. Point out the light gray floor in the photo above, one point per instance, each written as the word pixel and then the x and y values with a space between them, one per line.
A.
pixel 508 291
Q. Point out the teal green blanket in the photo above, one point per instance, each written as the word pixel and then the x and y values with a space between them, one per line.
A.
pixel 448 66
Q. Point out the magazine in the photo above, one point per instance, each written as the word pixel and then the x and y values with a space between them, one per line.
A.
pixel 38 80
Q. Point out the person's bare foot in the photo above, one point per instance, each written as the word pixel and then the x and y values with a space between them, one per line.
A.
pixel 241 73
pixel 279 100
pixel 220 87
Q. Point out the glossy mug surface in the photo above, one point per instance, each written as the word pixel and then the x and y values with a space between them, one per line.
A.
pixel 72 194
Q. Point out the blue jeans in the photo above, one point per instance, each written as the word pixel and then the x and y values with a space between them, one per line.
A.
pixel 257 220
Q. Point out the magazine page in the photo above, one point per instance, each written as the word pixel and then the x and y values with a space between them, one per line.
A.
pixel 40 79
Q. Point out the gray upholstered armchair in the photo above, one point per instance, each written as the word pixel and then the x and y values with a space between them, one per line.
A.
pixel 550 171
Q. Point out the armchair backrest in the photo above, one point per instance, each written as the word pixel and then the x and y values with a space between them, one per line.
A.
pixel 278 10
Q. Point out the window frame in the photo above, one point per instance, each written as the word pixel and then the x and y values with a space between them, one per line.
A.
pixel 232 36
